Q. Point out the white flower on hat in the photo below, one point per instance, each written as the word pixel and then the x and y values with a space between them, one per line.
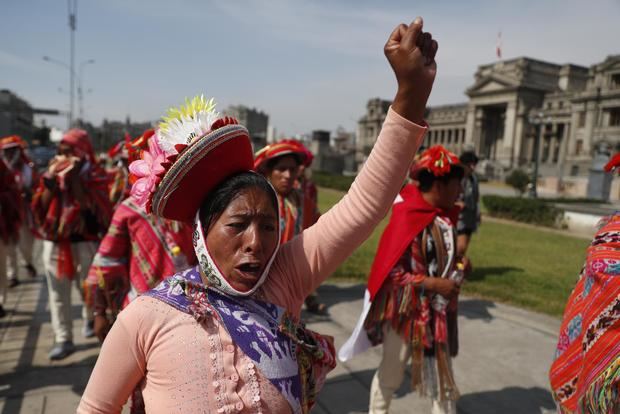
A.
pixel 187 123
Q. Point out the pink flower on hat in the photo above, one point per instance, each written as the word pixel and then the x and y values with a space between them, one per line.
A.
pixel 148 171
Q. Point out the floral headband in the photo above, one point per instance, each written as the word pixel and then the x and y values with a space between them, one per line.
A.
pixel 437 159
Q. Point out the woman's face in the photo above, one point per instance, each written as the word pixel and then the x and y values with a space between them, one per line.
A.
pixel 244 237
pixel 284 174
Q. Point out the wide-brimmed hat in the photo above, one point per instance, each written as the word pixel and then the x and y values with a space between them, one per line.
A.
pixel 12 141
pixel 192 152
pixel 437 160
pixel 280 149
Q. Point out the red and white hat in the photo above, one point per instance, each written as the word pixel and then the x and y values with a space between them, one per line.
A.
pixel 437 160
pixel 12 141
pixel 192 151
pixel 280 149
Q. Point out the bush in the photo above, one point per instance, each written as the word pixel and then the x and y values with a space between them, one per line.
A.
pixel 527 210
pixel 337 182
pixel 518 179
pixel 582 200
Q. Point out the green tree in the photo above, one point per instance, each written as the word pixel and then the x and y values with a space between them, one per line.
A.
pixel 518 180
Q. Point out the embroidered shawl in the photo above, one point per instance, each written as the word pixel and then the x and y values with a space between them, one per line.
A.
pixel 295 360
pixel 585 375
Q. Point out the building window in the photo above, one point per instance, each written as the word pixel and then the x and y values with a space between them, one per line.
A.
pixel 614 117
pixel 615 80
pixel 574 170
pixel 578 147
pixel 560 105
pixel 449 136
pixel 581 122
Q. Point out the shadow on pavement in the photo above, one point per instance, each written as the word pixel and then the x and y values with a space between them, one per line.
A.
pixel 510 400
pixel 39 377
pixel 476 309
pixel 480 273
pixel 28 377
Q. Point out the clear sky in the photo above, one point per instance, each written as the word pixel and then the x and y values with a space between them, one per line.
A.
pixel 308 64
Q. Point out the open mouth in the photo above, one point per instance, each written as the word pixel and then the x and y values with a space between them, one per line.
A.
pixel 249 271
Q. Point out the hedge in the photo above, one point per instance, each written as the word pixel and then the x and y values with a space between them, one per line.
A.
pixel 337 182
pixel 527 210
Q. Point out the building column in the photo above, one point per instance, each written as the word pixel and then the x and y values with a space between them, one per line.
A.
pixel 518 151
pixel 563 151
pixel 508 140
pixel 591 120
pixel 477 126
pixel 470 124
pixel 572 138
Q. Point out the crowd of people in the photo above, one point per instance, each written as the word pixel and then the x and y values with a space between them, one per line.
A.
pixel 193 257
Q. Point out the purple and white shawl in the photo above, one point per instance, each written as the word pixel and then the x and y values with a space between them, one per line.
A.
pixel 253 326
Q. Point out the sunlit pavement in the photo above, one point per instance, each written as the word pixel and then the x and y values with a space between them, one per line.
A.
pixel 502 366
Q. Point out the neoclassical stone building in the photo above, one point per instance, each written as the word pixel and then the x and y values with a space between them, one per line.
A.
pixel 574 111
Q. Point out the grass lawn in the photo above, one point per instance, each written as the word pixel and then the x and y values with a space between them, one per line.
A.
pixel 526 267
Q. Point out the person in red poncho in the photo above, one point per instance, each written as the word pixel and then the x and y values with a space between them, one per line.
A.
pixel 26 178
pixel 72 209
pixel 413 287
pixel 10 216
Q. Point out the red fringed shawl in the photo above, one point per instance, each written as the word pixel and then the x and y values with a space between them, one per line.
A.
pixel 409 218
pixel 65 220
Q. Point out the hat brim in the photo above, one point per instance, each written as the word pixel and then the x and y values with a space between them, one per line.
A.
pixel 11 145
pixel 415 172
pixel 202 166
pixel 301 157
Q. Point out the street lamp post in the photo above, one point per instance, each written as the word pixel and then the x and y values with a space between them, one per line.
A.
pixel 80 86
pixel 72 11
pixel 536 120
pixel 79 80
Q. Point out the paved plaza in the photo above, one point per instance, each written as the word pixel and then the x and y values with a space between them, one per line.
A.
pixel 502 367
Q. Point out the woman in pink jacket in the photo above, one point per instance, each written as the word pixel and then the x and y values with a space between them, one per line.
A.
pixel 225 335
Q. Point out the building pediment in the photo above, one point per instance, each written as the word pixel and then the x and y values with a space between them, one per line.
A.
pixel 491 84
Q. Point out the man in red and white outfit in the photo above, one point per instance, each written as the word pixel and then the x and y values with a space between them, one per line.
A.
pixel 14 155
pixel 73 210
pixel 411 299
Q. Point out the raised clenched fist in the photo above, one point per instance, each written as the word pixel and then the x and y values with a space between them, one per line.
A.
pixel 411 53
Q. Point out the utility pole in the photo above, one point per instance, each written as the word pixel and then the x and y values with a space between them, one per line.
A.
pixel 72 9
